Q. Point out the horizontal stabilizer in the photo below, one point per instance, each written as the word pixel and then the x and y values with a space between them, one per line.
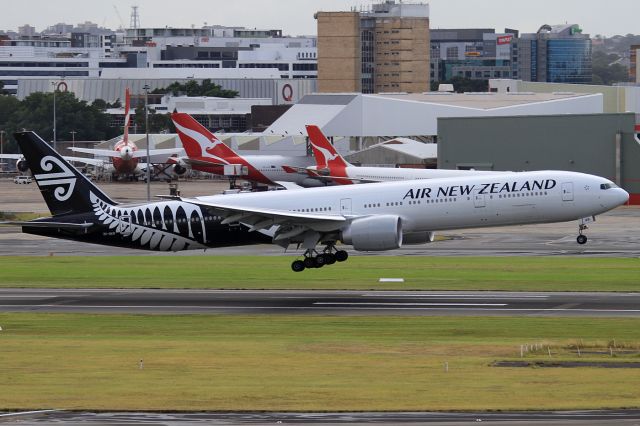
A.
pixel 57 225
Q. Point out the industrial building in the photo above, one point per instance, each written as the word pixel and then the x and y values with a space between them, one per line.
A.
pixel 601 144
pixel 382 49
pixel 249 83
pixel 372 118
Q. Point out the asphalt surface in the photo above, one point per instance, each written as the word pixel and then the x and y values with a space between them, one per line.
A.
pixel 550 418
pixel 321 302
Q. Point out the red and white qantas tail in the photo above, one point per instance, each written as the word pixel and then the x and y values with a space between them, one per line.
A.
pixel 199 142
pixel 326 155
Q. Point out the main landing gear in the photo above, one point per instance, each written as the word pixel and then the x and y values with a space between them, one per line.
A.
pixel 582 239
pixel 313 259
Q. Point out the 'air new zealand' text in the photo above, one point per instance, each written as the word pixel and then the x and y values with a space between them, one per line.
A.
pixel 484 188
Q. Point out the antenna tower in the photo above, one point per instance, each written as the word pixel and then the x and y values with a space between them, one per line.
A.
pixel 134 23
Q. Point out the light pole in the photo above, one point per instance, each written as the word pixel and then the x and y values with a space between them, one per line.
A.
pixel 73 138
pixel 55 89
pixel 146 129
pixel 2 132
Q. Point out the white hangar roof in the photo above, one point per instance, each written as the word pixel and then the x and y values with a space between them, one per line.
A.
pixel 415 114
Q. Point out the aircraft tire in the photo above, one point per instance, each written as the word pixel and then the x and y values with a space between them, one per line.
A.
pixel 329 258
pixel 297 266
pixel 309 262
pixel 582 239
pixel 341 255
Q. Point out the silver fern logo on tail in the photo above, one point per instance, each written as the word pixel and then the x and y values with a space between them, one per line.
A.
pixel 65 180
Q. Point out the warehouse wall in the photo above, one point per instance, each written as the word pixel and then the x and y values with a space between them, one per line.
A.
pixel 599 144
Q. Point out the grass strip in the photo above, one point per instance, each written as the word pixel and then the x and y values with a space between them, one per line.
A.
pixel 358 273
pixel 303 363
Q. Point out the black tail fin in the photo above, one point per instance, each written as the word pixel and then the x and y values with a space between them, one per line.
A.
pixel 64 188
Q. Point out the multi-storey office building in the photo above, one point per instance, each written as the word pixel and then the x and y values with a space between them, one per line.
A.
pixel 381 49
pixel 634 63
pixel 87 53
pixel 477 54
pixel 555 54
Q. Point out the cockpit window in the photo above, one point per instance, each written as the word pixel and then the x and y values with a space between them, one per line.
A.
pixel 607 186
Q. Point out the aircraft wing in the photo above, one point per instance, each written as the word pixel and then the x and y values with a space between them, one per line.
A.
pixel 289 185
pixel 11 156
pixel 153 152
pixel 92 161
pixel 290 224
pixel 194 162
pixel 97 152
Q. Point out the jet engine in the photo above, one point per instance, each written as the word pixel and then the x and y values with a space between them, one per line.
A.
pixel 22 165
pixel 179 170
pixel 418 237
pixel 374 233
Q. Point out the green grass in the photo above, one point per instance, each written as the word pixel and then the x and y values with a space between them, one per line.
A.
pixel 273 272
pixel 261 362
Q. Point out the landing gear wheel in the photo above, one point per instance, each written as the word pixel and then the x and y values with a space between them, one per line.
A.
pixel 341 255
pixel 582 239
pixel 297 266
pixel 309 262
pixel 319 261
pixel 329 258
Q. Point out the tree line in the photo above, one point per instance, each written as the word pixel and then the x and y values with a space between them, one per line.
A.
pixel 90 122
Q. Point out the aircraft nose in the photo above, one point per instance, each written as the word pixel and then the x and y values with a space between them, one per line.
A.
pixel 622 196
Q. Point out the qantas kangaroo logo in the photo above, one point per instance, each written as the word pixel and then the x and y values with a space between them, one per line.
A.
pixel 328 156
pixel 59 179
pixel 209 146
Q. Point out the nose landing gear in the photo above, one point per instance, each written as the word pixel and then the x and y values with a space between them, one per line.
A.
pixel 582 239
pixel 313 259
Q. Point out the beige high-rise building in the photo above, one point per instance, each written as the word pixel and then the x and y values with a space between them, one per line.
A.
pixel 384 49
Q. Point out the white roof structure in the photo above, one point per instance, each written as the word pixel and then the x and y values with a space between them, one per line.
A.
pixel 415 114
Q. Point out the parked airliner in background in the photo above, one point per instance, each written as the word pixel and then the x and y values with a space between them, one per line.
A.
pixel 369 217
pixel 207 153
pixel 331 166
pixel 125 155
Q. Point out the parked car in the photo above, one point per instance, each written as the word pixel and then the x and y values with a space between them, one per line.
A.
pixel 22 179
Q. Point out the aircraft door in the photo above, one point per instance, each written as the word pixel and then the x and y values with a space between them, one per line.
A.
pixel 567 191
pixel 345 206
pixel 478 200
pixel 124 226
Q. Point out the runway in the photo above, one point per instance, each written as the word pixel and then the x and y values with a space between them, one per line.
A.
pixel 389 303
pixel 549 418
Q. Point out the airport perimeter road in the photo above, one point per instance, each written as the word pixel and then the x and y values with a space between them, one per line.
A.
pixel 322 302
pixel 547 418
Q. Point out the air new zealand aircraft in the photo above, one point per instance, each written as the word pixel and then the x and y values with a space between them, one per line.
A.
pixel 82 212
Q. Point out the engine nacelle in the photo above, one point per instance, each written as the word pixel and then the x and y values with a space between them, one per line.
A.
pixel 418 237
pixel 179 170
pixel 22 165
pixel 374 233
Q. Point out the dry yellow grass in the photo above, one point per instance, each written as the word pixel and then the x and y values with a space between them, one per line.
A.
pixel 261 362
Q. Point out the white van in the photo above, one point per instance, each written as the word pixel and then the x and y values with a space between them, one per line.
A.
pixel 22 179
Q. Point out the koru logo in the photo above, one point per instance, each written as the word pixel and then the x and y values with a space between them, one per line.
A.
pixel 60 179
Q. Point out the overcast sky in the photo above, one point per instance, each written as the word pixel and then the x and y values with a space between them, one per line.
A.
pixel 295 17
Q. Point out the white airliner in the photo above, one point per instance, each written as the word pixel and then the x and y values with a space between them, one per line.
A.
pixel 125 155
pixel 376 217
pixel 331 166
pixel 386 215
